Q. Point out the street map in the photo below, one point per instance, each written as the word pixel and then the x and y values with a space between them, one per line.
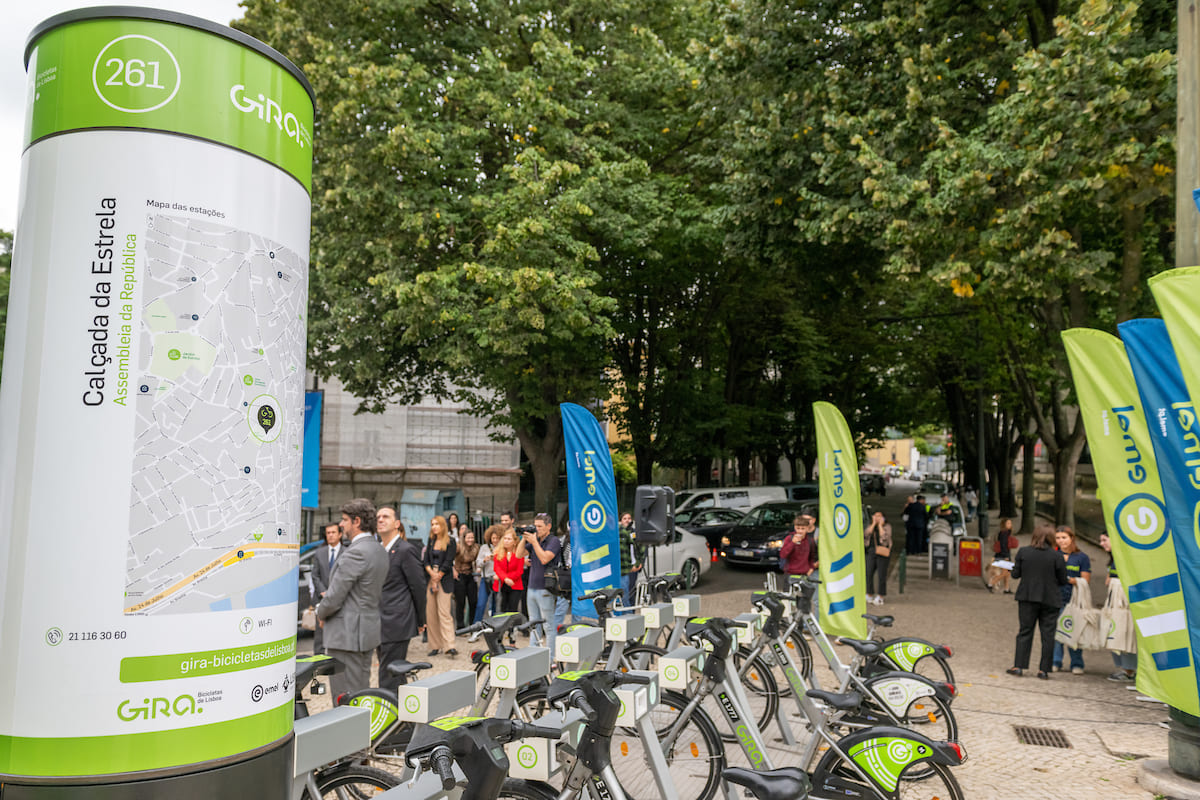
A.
pixel 219 398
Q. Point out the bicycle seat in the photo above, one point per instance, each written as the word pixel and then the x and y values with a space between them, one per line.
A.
pixel 503 623
pixel 864 647
pixel 402 668
pixel 785 783
pixel 842 702
pixel 310 667
pixel 882 622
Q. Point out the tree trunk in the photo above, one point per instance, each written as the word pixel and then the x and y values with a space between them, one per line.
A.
pixel 545 454
pixel 645 465
pixel 743 466
pixel 1064 482
pixel 1028 495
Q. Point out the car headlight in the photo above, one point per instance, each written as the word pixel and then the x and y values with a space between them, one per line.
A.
pixel 775 543
pixel 725 541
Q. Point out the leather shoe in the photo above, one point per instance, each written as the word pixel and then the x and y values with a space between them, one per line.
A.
pixel 451 652
pixel 1014 671
pixel 434 652
pixel 1043 676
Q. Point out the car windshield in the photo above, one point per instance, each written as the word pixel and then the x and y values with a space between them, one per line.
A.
pixel 769 517
pixel 683 516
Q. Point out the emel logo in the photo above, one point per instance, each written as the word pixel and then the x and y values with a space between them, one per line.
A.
pixel 593 517
pixel 1141 521
pixel 841 520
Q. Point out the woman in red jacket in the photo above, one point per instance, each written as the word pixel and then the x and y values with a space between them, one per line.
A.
pixel 799 551
pixel 509 567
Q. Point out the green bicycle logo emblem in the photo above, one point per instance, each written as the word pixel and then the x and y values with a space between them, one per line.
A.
pixel 412 704
pixel 501 672
pixel 672 673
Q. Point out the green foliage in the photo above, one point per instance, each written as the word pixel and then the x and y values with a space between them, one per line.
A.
pixel 624 467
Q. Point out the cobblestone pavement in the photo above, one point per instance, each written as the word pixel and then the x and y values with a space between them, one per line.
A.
pixel 1110 728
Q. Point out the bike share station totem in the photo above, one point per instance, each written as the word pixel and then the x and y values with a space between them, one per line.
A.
pixel 153 396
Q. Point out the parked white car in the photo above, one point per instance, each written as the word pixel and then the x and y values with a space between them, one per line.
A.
pixel 686 554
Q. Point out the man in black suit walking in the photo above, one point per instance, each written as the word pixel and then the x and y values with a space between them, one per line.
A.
pixel 402 606
pixel 323 561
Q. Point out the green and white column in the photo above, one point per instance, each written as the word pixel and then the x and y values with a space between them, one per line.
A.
pixel 151 412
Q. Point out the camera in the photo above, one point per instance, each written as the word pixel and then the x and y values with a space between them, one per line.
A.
pixel 525 529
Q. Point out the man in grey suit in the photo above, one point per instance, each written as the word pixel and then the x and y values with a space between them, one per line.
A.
pixel 402 608
pixel 323 561
pixel 350 609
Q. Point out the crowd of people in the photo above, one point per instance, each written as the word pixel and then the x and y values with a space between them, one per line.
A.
pixel 374 590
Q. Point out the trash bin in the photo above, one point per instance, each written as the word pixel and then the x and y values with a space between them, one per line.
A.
pixel 941 545
pixel 970 557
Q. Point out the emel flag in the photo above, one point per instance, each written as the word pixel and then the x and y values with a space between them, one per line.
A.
pixel 592 505
pixel 1131 496
pixel 1173 431
pixel 842 598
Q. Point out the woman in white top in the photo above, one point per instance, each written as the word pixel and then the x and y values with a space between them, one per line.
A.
pixel 484 564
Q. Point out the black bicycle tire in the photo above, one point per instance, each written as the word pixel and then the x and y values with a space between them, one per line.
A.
pixel 803 658
pixel 833 763
pixel 350 774
pixel 947 675
pixel 769 690
pixel 517 789
pixel 635 649
pixel 706 731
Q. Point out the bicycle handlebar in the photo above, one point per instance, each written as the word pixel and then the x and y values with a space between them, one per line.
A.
pixel 529 730
pixel 443 763
pixel 473 628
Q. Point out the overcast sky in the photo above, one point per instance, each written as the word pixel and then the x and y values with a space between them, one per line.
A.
pixel 20 17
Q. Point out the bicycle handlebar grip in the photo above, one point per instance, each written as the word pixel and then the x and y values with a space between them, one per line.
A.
pixel 580 702
pixel 443 763
pixel 478 626
pixel 628 677
pixel 528 730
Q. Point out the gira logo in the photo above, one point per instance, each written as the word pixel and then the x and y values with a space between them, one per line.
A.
pixel 155 707
pixel 270 111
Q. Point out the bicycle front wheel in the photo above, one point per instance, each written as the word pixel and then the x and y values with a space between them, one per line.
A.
pixel 935 668
pixel 923 780
pixel 695 757
pixel 352 782
pixel 514 789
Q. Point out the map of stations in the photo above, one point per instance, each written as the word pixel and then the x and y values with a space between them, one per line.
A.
pixel 219 396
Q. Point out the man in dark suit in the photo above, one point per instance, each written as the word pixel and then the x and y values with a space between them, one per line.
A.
pixel 323 561
pixel 1041 570
pixel 402 607
pixel 350 609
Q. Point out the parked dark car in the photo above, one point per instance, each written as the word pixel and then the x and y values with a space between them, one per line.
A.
pixel 711 523
pixel 872 483
pixel 756 539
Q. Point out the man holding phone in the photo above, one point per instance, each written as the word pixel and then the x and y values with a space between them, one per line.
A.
pixel 799 551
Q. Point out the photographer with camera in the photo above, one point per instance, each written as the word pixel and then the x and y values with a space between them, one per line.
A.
pixel 546 550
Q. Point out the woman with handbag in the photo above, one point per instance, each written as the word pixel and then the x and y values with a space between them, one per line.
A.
pixel 878 541
pixel 1079 570
pixel 1042 572
pixel 484 565
pixel 439 564
pixel 465 594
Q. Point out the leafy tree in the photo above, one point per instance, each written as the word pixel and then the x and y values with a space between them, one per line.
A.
pixel 475 162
